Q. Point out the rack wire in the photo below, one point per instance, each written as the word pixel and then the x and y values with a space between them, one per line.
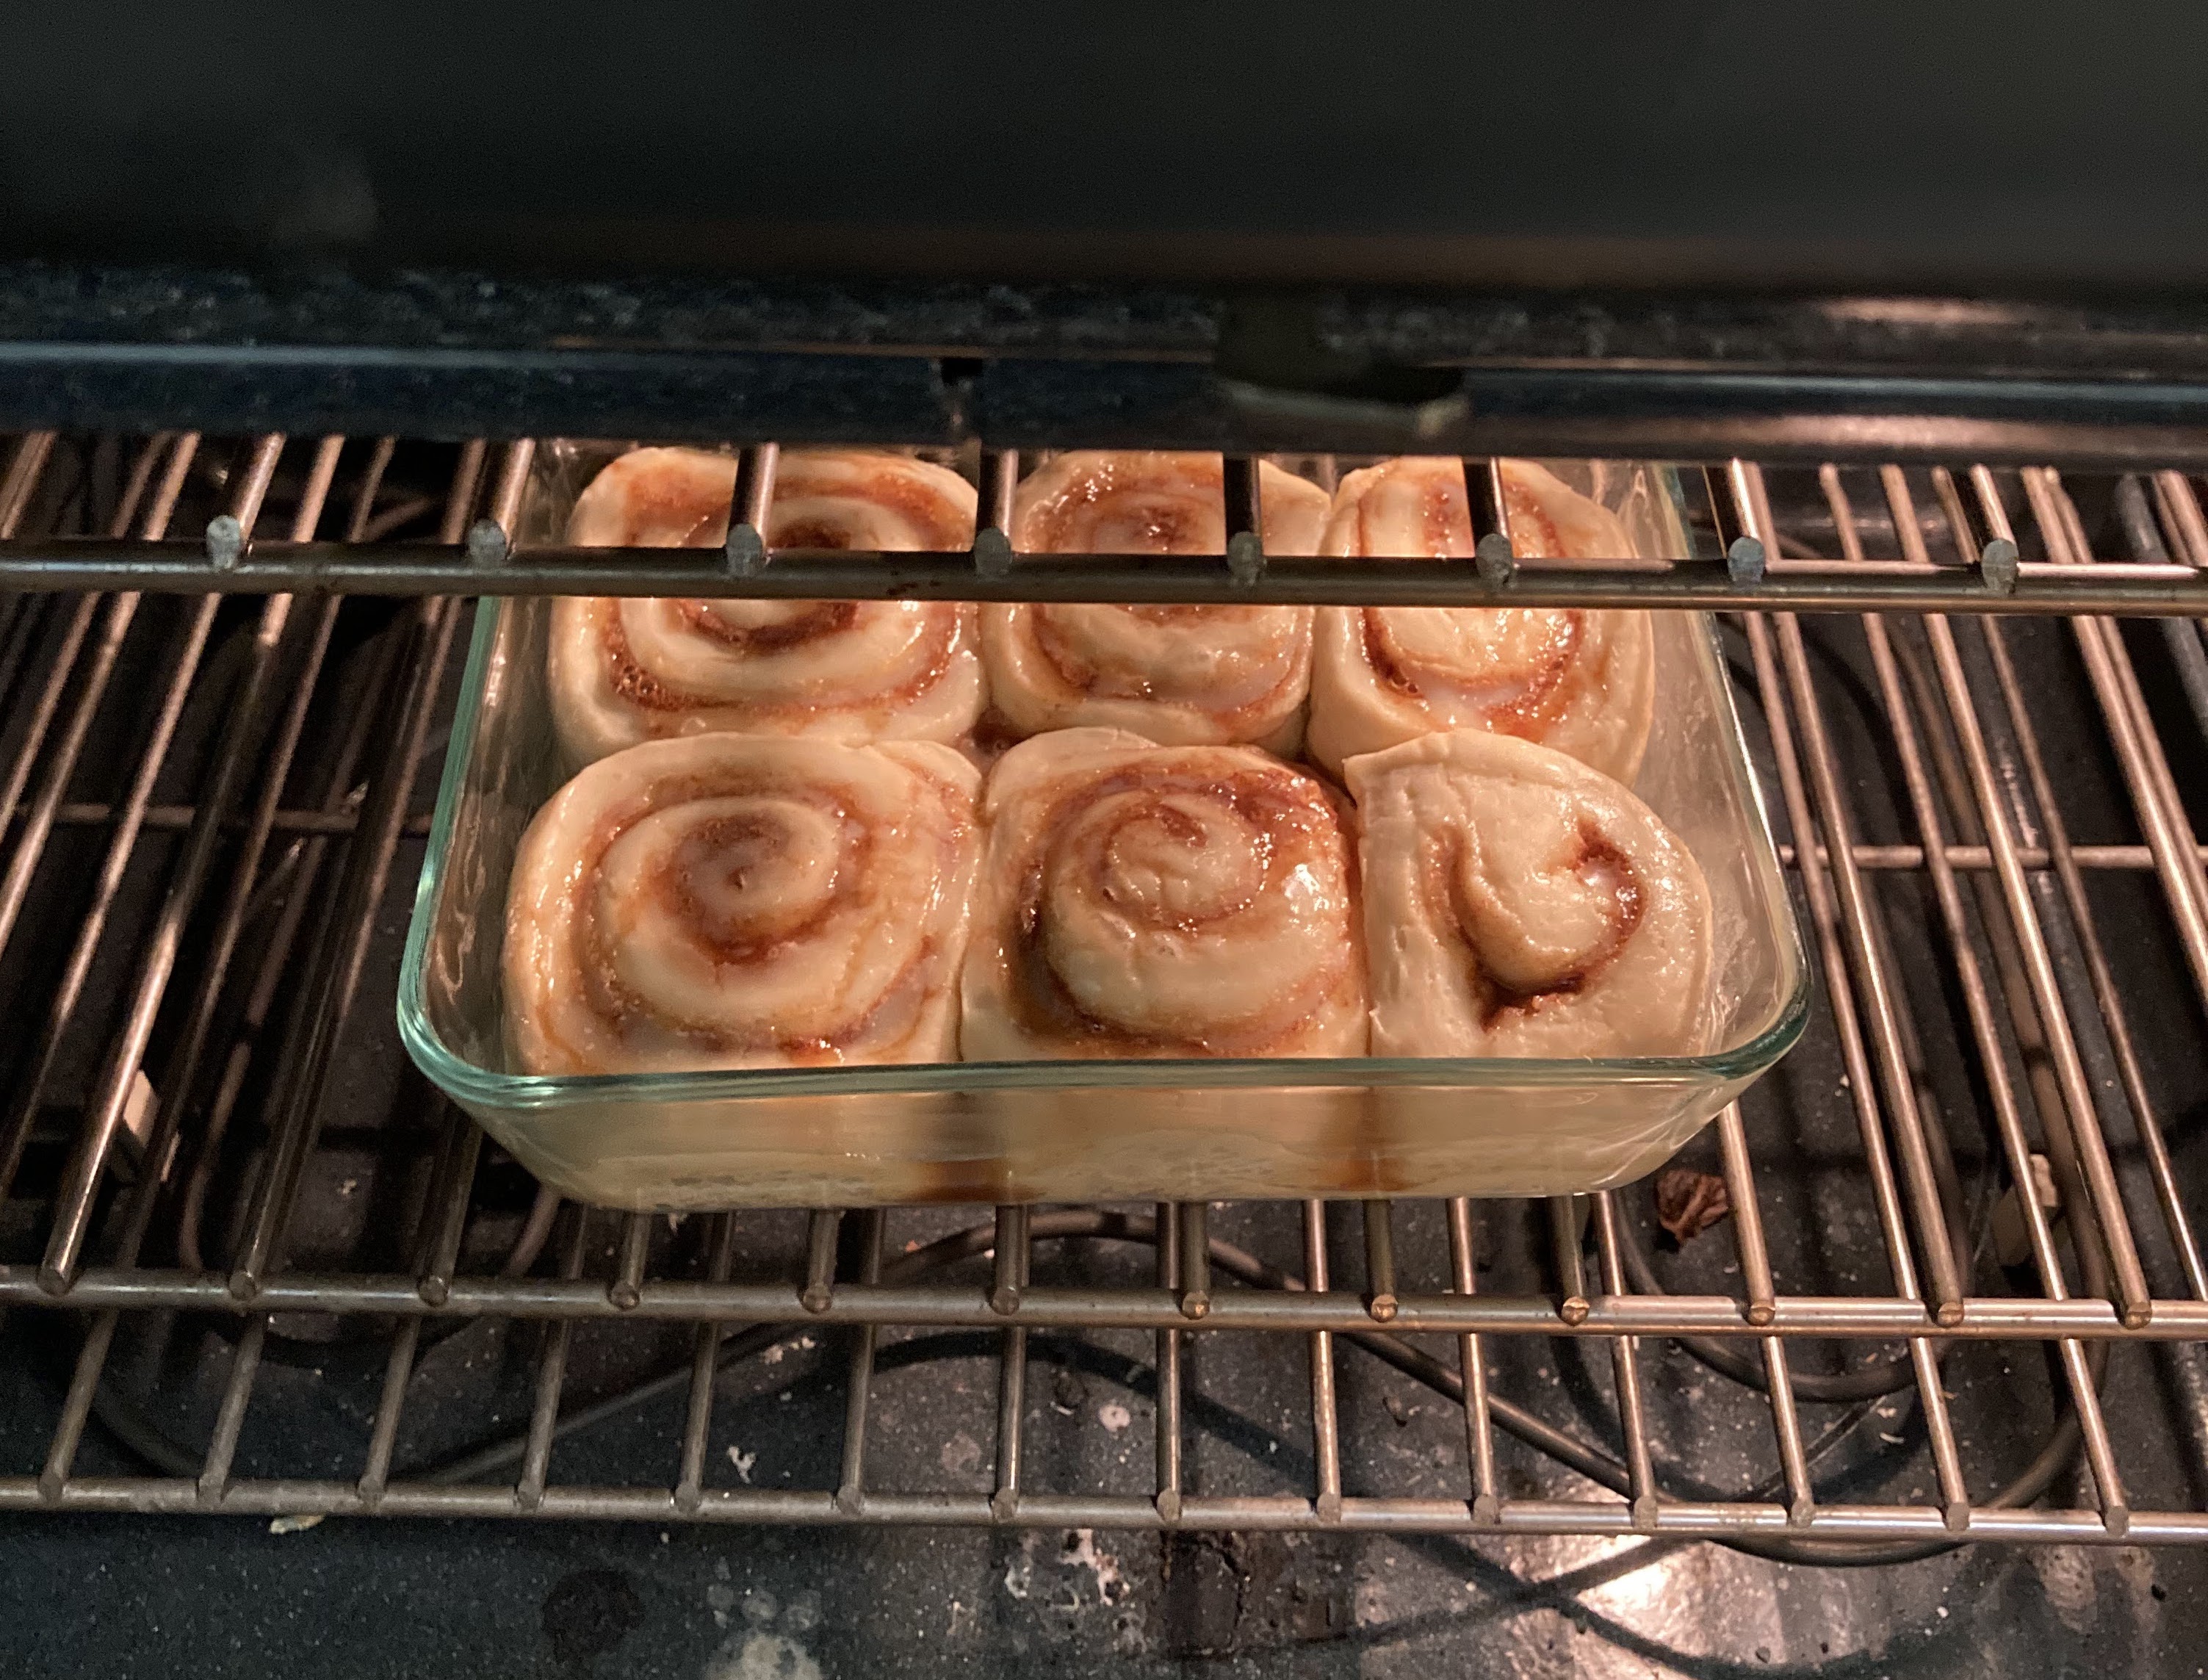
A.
pixel 213 806
pixel 1986 575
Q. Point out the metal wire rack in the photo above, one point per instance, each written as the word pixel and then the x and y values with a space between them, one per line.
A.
pixel 212 1155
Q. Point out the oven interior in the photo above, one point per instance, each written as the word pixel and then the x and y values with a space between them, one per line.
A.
pixel 252 1264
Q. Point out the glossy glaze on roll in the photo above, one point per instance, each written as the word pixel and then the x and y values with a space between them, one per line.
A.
pixel 1175 674
pixel 1519 904
pixel 622 671
pixel 732 901
pixel 1146 901
pixel 1581 681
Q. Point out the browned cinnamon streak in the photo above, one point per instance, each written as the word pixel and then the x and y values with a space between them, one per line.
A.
pixel 644 689
pixel 820 618
pixel 671 883
pixel 1445 523
pixel 1082 675
pixel 680 500
pixel 943 525
pixel 670 886
pixel 1177 522
pixel 1597 855
pixel 665 500
pixel 1292 820
pixel 1542 692
pixel 655 502
pixel 1534 534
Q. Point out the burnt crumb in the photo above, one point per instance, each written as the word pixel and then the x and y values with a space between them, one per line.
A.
pixel 1068 1393
pixel 1688 1202
pixel 1400 1413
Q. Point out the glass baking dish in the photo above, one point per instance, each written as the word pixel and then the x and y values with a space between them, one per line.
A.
pixel 1097 1132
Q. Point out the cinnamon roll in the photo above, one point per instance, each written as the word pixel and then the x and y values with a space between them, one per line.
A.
pixel 624 671
pixel 1147 901
pixel 1177 675
pixel 1519 904
pixel 1581 681
pixel 741 901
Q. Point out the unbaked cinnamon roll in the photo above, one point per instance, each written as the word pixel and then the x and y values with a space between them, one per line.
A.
pixel 1177 675
pixel 1581 681
pixel 624 671
pixel 1146 901
pixel 743 901
pixel 1519 904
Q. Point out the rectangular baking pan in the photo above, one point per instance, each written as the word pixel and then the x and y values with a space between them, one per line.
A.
pixel 1095 1131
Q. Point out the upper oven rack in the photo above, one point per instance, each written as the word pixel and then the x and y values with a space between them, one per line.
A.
pixel 1982 516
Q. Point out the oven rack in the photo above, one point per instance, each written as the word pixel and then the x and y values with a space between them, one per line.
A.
pixel 213 817
pixel 1980 570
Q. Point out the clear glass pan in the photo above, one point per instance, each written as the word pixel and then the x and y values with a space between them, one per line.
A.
pixel 1091 1132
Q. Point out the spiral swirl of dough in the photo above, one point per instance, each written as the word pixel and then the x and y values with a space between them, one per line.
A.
pixel 729 901
pixel 1581 681
pixel 1519 904
pixel 622 671
pixel 1176 675
pixel 1144 901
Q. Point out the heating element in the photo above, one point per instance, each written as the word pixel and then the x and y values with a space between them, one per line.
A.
pixel 219 1174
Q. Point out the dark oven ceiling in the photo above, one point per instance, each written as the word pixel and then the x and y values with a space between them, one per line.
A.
pixel 1686 143
pixel 1684 229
